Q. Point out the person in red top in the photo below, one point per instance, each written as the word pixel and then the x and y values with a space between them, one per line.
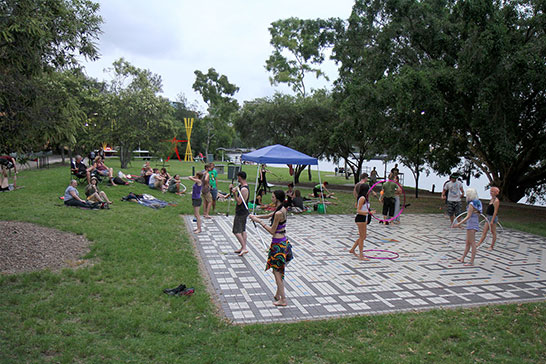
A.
pixel 6 163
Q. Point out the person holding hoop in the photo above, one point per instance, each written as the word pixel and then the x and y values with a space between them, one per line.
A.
pixel 280 250
pixel 473 215
pixel 241 212
pixel 196 200
pixel 491 214
pixel 362 219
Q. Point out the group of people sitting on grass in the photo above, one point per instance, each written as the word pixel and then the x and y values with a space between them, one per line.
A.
pixel 160 179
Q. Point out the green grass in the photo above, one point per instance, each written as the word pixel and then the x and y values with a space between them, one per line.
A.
pixel 114 310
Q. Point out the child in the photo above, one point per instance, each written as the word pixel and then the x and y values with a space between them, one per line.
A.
pixel 491 213
pixel 196 198
pixel 473 216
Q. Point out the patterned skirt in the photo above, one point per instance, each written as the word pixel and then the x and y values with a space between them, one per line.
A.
pixel 280 253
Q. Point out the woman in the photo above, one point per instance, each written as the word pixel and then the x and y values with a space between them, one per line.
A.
pixel 103 170
pixel 491 213
pixel 362 219
pixel 94 194
pixel 473 215
pixel 196 198
pixel 262 178
pixel 280 251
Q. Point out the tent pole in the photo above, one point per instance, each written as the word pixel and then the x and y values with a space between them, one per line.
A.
pixel 255 188
pixel 321 192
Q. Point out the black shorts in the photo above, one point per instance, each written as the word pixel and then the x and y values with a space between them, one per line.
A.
pixel 239 224
pixel 196 202
pixel 388 206
pixel 316 192
pixel 363 218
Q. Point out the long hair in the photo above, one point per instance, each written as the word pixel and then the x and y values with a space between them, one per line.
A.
pixel 363 191
pixel 280 196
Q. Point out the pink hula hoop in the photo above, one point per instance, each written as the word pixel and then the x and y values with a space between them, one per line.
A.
pixel 402 204
pixel 396 255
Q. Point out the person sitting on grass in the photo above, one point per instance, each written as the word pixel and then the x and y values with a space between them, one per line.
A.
pixel 325 192
pixel 156 181
pixel 72 196
pixel 94 194
pixel 174 185
pixel 297 203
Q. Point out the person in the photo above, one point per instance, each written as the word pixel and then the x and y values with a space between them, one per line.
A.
pixel 397 201
pixel 290 194
pixel 146 172
pixel 156 180
pixel 297 202
pixel 196 198
pixel 166 177
pixel 395 171
pixel 205 192
pixel 95 195
pixel 6 163
pixel 491 214
pixel 262 178
pixel 80 170
pixel 362 219
pixel 387 196
pixel 213 176
pixel 317 191
pixel 280 250
pixel 174 185
pixel 72 196
pixel 473 214
pixel 259 198
pixel 103 170
pixel 454 191
pixel 241 212
pixel 373 176
pixel 363 180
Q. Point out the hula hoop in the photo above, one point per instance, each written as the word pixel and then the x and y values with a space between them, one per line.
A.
pixel 485 221
pixel 395 254
pixel 402 204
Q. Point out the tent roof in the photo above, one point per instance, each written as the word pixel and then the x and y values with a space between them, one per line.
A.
pixel 279 154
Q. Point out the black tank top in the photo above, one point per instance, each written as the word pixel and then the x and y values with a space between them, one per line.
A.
pixel 241 210
pixel 490 210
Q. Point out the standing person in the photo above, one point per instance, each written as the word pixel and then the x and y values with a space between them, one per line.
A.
pixel 395 171
pixel 455 192
pixel 205 192
pixel 474 210
pixel 397 202
pixel 280 250
pixel 389 191
pixel 373 176
pixel 363 180
pixel 213 176
pixel 196 198
pixel 491 213
pixel 6 163
pixel 241 212
pixel 362 219
pixel 262 178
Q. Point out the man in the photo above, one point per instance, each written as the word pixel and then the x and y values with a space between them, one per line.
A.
pixel 80 170
pixel 241 212
pixel 395 171
pixel 373 176
pixel 389 191
pixel 72 197
pixel 455 193
pixel 6 163
pixel 213 175
pixel 363 179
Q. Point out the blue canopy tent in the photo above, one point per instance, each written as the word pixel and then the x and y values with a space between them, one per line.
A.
pixel 279 154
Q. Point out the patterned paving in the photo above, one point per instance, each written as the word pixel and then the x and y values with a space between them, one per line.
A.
pixel 324 280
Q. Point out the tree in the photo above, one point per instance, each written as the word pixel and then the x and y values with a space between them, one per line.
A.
pixel 217 93
pixel 480 62
pixel 306 42
pixel 135 115
pixel 297 122
pixel 38 38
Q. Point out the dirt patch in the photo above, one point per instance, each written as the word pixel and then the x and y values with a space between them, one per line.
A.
pixel 26 247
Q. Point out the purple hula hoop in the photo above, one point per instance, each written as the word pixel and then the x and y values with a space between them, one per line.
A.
pixel 396 255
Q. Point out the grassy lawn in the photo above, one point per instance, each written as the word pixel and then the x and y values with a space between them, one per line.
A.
pixel 114 310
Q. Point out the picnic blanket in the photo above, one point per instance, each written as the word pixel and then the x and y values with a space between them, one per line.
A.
pixel 147 200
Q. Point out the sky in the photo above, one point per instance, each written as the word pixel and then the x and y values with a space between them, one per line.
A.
pixel 174 38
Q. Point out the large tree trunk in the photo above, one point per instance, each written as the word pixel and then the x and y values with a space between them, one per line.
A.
pixel 297 171
pixel 125 154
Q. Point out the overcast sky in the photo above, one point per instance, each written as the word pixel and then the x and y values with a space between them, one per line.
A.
pixel 174 38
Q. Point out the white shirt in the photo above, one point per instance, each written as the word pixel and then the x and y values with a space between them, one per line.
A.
pixel 453 191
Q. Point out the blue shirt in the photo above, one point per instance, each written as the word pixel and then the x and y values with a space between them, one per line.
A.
pixel 67 195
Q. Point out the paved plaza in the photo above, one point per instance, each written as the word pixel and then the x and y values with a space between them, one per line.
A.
pixel 325 281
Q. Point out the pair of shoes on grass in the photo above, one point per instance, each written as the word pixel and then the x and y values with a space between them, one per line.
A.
pixel 181 290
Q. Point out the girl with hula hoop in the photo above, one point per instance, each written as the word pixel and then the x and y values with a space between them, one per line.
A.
pixel 362 219
pixel 280 250
pixel 473 215
pixel 491 213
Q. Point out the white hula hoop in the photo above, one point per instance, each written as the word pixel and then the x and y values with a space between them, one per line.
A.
pixel 484 221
